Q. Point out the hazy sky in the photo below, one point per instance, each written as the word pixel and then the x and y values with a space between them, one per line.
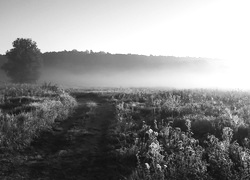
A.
pixel 200 28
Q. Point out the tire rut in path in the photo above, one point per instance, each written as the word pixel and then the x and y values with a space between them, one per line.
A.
pixel 78 148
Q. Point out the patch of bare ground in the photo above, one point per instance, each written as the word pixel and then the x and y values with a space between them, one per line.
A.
pixel 80 147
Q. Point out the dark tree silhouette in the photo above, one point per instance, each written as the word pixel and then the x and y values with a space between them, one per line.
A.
pixel 24 61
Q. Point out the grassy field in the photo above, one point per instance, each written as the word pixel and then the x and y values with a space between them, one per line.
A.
pixel 127 133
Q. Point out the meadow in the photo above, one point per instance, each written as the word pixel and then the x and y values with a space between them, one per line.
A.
pixel 153 134
pixel 185 134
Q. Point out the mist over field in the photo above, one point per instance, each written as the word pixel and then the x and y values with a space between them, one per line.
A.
pixel 81 69
pixel 85 69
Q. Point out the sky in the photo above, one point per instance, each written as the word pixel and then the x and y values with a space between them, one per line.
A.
pixel 196 28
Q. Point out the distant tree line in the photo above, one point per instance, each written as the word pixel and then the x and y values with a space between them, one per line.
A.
pixel 89 60
pixel 24 61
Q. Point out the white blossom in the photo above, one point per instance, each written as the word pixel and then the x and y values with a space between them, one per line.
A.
pixel 150 131
pixel 147 166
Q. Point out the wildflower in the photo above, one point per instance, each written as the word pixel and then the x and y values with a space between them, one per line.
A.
pixel 150 131
pixel 153 145
pixel 179 144
pixel 147 166
pixel 222 146
pixel 158 166
pixel 193 141
pixel 190 150
pixel 183 136
pixel 188 123
pixel 136 140
pixel 166 131
pixel 244 156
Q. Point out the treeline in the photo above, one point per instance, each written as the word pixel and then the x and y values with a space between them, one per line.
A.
pixel 3 59
pixel 3 76
pixel 86 60
pixel 100 68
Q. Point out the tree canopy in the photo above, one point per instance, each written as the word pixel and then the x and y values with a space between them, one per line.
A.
pixel 24 61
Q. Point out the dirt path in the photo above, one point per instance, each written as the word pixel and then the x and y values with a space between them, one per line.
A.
pixel 77 148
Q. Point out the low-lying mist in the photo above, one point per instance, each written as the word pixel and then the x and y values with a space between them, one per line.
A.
pixel 214 74
pixel 84 70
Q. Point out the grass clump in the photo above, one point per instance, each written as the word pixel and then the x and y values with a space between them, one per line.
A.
pixel 26 110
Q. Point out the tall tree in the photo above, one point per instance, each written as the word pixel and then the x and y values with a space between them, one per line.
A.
pixel 24 61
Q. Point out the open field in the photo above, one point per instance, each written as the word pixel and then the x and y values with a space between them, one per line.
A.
pixel 51 133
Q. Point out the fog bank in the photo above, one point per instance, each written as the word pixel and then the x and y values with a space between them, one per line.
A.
pixel 85 69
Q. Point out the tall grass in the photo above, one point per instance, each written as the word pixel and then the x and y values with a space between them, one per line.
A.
pixel 26 110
